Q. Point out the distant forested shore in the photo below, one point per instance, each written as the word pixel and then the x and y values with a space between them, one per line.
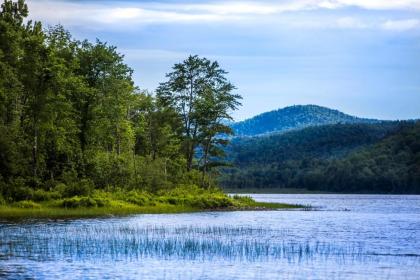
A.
pixel 379 157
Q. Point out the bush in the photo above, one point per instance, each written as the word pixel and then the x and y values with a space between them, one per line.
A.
pixel 102 202
pixel 243 199
pixel 172 200
pixel 84 187
pixel 2 200
pixel 211 202
pixel 101 198
pixel 61 189
pixel 76 202
pixel 27 204
pixel 204 201
pixel 109 169
pixel 41 195
pixel 22 193
pixel 134 197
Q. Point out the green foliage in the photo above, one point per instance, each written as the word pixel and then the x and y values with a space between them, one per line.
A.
pixel 72 121
pixel 2 200
pixel 137 198
pixel 380 158
pixel 27 204
pixel 243 199
pixel 42 195
pixel 60 188
pixel 83 187
pixel 199 92
pixel 77 202
pixel 19 190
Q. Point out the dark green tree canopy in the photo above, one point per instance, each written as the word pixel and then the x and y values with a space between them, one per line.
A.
pixel 198 90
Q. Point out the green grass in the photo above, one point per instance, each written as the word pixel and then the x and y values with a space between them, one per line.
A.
pixel 10 212
pixel 118 202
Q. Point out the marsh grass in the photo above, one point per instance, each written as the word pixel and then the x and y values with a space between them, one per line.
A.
pixel 114 242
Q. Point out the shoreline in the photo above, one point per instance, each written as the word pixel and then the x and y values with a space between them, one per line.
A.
pixel 274 191
pixel 10 212
pixel 301 191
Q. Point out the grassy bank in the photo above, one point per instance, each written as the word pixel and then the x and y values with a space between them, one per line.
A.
pixel 119 202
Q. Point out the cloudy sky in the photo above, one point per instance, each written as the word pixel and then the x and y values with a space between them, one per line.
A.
pixel 358 56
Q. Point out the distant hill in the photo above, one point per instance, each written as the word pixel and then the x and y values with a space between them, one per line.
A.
pixel 374 158
pixel 293 117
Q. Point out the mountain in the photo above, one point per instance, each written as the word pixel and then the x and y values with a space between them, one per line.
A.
pixel 293 117
pixel 379 157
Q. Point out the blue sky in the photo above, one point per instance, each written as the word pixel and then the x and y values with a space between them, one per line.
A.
pixel 359 56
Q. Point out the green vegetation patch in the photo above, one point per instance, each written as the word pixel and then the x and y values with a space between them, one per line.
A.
pixel 120 202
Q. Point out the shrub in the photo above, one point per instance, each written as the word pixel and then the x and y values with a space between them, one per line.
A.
pixel 84 187
pixel 49 184
pixel 27 204
pixel 102 199
pixel 2 200
pixel 107 169
pixel 136 198
pixel 172 200
pixel 76 202
pixel 102 202
pixel 243 199
pixel 41 195
pixel 22 193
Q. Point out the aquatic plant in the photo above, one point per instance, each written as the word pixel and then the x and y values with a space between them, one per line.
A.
pixel 196 243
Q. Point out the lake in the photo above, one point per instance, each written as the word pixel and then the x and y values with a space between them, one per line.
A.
pixel 344 237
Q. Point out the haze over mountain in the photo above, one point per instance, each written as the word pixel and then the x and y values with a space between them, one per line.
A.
pixel 293 117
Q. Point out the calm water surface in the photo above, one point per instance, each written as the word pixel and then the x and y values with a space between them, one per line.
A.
pixel 346 237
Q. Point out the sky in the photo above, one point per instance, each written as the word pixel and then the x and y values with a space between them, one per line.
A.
pixel 358 56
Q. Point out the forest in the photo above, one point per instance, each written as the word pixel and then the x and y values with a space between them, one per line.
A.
pixel 349 158
pixel 72 121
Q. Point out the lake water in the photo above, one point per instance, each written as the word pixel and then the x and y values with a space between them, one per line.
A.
pixel 345 237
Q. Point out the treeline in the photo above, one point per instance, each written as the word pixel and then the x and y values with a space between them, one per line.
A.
pixel 70 115
pixel 366 158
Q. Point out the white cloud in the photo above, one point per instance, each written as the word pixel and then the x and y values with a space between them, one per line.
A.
pixel 401 25
pixel 377 4
pixel 119 14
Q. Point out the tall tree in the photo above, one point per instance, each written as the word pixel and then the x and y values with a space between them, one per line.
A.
pixel 213 111
pixel 12 32
pixel 110 84
pixel 194 89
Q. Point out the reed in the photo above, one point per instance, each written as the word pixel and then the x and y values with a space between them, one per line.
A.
pixel 128 242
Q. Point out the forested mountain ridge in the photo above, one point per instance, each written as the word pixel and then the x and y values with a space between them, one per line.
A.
pixel 293 117
pixel 325 141
pixel 373 158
